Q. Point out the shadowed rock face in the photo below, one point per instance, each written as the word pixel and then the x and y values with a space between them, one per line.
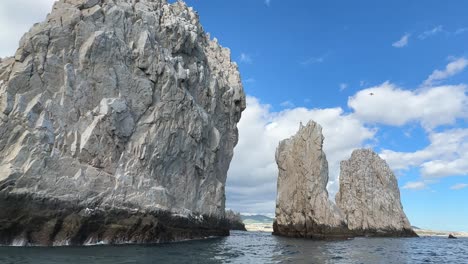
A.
pixel 369 197
pixel 117 105
pixel 302 205
pixel 28 221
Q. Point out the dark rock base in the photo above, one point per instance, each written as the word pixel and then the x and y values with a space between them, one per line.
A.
pixel 385 233
pixel 321 232
pixel 312 231
pixel 25 221
pixel 239 226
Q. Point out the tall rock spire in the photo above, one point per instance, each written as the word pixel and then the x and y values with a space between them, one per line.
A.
pixel 303 208
pixel 368 201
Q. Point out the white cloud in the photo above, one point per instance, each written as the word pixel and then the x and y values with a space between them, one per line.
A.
pixel 432 32
pixel 453 68
pixel 446 155
pixel 253 171
pixel 245 58
pixel 16 17
pixel 459 186
pixel 420 185
pixel 402 42
pixel 390 105
pixel 343 86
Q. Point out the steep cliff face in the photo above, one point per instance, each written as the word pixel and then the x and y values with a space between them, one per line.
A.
pixel 116 105
pixel 302 205
pixel 368 201
pixel 369 197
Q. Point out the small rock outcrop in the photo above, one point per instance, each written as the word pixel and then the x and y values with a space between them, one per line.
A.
pixel 118 120
pixel 303 208
pixel 368 201
pixel 369 197
pixel 235 221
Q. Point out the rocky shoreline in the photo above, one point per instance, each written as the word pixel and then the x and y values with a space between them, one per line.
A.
pixel 437 233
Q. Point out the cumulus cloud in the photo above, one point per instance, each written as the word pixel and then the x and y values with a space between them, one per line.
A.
pixel 391 105
pixel 252 177
pixel 450 70
pixel 432 32
pixel 402 42
pixel 446 155
pixel 253 171
pixel 16 17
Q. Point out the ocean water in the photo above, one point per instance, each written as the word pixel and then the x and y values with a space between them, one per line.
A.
pixel 253 247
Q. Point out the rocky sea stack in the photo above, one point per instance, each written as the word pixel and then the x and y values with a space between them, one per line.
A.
pixel 368 201
pixel 302 205
pixel 369 197
pixel 118 120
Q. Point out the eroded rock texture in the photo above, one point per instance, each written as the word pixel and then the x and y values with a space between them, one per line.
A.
pixel 303 208
pixel 369 197
pixel 117 105
pixel 368 201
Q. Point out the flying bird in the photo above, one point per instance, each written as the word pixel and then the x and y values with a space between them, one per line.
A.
pixel 371 94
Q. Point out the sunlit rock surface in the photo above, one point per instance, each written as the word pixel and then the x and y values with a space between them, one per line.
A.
pixel 368 201
pixel 369 197
pixel 303 208
pixel 118 106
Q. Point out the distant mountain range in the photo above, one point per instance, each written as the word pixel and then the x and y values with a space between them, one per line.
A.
pixel 250 219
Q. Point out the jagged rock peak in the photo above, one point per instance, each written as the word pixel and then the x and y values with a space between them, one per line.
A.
pixel 118 105
pixel 369 197
pixel 303 208
pixel 368 202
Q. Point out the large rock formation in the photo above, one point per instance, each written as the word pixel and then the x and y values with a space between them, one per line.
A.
pixel 117 124
pixel 369 197
pixel 303 208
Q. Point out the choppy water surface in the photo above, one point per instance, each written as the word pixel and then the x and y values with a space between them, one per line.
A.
pixel 253 247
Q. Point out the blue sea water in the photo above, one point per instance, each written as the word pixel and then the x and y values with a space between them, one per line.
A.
pixel 253 247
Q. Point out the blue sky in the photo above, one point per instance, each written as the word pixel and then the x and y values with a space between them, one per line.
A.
pixel 318 54
pixel 320 60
